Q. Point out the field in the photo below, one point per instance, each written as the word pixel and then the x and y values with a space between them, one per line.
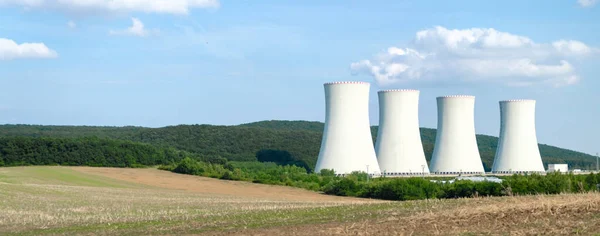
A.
pixel 84 200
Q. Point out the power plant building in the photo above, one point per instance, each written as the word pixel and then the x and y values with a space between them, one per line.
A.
pixel 347 144
pixel 558 168
pixel 456 150
pixel 398 146
pixel 517 150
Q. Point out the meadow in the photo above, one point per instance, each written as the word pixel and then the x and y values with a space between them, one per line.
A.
pixel 119 201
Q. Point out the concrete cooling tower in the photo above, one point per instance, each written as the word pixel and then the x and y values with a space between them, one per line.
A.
pixel 455 148
pixel 398 147
pixel 517 150
pixel 347 143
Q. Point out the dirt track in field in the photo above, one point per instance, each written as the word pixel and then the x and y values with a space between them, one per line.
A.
pixel 168 180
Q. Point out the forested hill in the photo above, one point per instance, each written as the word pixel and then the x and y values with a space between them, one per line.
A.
pixel 88 151
pixel 69 131
pixel 301 139
pixel 288 125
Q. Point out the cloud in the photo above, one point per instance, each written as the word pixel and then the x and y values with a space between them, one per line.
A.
pixel 440 55
pixel 9 50
pixel 587 3
pixel 71 24
pixel 178 7
pixel 572 47
pixel 137 29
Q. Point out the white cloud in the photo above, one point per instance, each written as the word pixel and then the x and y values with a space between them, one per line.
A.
pixel 571 47
pixel 476 55
pixel 587 3
pixel 179 7
pixel 9 50
pixel 72 24
pixel 476 37
pixel 137 29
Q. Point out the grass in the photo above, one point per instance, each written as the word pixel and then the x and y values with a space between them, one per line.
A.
pixel 56 175
pixel 54 200
pixel 62 201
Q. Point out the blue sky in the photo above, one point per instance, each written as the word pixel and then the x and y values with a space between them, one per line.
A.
pixel 231 62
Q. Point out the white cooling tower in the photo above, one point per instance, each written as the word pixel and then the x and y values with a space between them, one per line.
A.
pixel 347 143
pixel 517 150
pixel 398 147
pixel 455 148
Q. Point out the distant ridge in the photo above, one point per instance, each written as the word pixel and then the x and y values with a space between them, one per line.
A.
pixel 487 144
pixel 241 142
pixel 288 125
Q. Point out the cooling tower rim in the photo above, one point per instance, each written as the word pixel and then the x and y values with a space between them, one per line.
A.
pixel 457 96
pixel 397 90
pixel 517 100
pixel 346 82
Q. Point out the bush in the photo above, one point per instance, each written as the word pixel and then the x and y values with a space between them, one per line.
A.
pixel 327 172
pixel 343 187
pixel 190 167
pixel 358 184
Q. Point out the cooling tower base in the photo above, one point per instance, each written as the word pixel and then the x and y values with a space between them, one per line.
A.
pixel 459 173
pixel 518 172
pixel 405 174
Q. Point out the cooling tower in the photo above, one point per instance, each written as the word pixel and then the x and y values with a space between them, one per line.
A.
pixel 398 147
pixel 517 150
pixel 347 143
pixel 455 148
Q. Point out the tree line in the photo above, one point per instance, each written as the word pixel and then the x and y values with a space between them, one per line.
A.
pixel 300 139
pixel 89 151
pixel 358 184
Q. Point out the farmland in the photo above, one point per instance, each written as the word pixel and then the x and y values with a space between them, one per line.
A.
pixel 116 201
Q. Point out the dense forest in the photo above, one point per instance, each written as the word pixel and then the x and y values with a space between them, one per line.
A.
pixel 297 141
pixel 89 151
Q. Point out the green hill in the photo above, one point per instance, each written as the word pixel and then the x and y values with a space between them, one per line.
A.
pixel 301 139
pixel 88 151
pixel 287 125
pixel 487 144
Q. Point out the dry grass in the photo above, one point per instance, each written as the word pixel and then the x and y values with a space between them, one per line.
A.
pixel 30 202
pixel 54 200
pixel 31 207
pixel 569 214
pixel 214 187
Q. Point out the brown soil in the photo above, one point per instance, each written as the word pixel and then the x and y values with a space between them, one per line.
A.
pixel 569 214
pixel 197 184
pixel 572 214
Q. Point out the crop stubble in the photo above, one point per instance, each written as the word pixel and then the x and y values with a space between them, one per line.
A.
pixel 149 201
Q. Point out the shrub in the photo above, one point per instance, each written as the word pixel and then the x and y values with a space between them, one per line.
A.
pixel 189 166
pixel 358 184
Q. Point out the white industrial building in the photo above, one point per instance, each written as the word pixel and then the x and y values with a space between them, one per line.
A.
pixel 558 168
pixel 455 150
pixel 517 150
pixel 398 146
pixel 347 143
